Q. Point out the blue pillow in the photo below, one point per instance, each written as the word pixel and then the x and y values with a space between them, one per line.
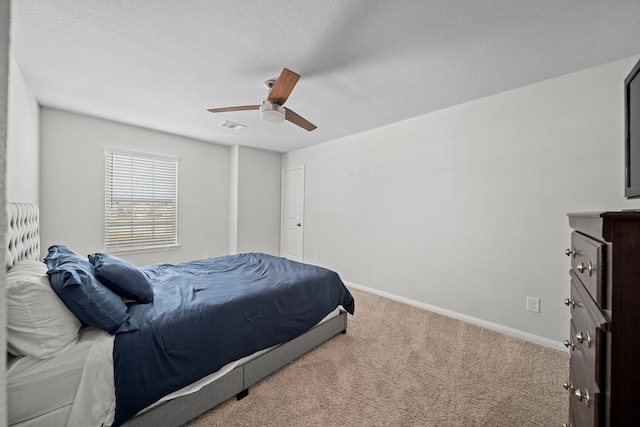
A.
pixel 122 277
pixel 72 279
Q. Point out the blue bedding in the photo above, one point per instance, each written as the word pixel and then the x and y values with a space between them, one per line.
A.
pixel 208 313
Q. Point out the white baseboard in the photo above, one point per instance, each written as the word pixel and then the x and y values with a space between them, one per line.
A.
pixel 536 339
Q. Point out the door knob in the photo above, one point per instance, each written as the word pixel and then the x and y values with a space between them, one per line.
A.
pixel 299 225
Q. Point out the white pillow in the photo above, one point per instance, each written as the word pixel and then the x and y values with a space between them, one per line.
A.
pixel 38 322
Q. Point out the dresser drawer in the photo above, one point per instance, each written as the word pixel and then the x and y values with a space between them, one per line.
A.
pixel 588 357
pixel 587 325
pixel 584 400
pixel 575 415
pixel 587 261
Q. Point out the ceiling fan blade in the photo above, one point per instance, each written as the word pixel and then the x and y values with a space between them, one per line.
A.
pixel 283 86
pixel 298 120
pixel 240 108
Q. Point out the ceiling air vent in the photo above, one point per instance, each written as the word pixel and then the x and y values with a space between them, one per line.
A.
pixel 232 125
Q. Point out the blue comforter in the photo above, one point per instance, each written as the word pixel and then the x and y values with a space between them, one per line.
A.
pixel 207 313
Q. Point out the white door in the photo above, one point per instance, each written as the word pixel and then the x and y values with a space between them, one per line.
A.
pixel 292 236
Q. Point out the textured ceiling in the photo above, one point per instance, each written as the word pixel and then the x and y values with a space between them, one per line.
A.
pixel 363 63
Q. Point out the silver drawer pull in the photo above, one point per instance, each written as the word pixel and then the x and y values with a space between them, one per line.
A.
pixel 582 337
pixel 581 268
pixel 570 252
pixel 570 302
pixel 583 396
pixel 568 344
pixel 568 386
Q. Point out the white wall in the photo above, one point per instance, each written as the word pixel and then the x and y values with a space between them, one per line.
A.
pixel 255 201
pixel 72 185
pixel 22 139
pixel 465 208
pixel 4 77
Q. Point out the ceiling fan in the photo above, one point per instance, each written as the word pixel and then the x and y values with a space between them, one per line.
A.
pixel 272 109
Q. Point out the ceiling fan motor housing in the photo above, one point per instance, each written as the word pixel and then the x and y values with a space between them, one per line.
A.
pixel 271 112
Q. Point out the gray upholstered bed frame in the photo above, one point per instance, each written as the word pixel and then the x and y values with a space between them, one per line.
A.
pixel 237 382
pixel 23 234
pixel 24 243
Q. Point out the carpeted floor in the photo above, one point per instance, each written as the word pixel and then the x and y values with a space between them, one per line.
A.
pixel 401 366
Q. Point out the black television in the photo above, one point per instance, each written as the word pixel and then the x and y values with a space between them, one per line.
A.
pixel 632 133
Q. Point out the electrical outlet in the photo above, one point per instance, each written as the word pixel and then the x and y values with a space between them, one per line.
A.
pixel 533 304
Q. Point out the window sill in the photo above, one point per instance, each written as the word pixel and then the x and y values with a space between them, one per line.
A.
pixel 125 251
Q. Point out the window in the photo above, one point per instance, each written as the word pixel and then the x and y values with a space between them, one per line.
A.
pixel 141 198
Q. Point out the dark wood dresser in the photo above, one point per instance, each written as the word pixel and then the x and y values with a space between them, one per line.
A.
pixel 604 341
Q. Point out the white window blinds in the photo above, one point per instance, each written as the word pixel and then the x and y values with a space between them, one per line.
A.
pixel 141 198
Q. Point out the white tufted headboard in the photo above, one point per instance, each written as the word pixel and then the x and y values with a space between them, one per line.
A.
pixel 23 235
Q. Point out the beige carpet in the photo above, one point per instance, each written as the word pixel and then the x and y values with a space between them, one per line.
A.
pixel 402 366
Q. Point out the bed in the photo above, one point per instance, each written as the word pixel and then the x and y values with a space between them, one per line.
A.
pixel 67 378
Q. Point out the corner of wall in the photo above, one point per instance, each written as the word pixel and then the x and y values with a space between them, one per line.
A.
pixel 255 200
pixel 23 138
pixel 234 156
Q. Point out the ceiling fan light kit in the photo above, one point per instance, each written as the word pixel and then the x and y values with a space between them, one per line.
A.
pixel 272 113
pixel 272 109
